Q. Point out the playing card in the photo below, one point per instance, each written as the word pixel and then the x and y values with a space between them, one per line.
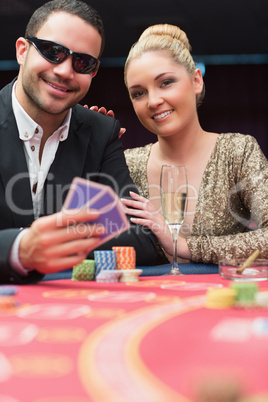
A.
pixel 103 199
pixel 81 192
pixel 87 194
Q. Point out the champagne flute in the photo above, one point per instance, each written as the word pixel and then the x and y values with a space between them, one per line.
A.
pixel 173 188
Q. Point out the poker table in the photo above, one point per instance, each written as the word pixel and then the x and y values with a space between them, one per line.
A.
pixel 149 341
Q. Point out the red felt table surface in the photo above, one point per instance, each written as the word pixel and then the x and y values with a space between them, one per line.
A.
pixel 149 341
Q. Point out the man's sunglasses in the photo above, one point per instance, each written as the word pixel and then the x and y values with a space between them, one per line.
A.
pixel 56 53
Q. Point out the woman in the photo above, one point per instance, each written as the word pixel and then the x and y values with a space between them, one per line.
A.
pixel 227 173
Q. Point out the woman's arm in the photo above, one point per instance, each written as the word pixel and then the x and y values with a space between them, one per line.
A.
pixel 246 184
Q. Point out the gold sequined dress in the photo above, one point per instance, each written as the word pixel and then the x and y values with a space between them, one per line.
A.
pixel 231 217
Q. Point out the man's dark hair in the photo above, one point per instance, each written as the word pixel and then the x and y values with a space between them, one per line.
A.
pixel 74 7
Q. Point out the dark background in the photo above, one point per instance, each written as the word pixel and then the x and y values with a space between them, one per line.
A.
pixel 229 37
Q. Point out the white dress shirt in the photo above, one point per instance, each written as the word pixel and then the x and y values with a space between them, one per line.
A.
pixel 31 134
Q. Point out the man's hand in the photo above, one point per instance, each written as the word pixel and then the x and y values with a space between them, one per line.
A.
pixel 60 241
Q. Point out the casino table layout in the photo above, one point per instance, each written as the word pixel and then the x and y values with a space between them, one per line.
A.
pixel 149 341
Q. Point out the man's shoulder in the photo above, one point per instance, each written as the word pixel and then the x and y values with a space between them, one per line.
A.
pixel 100 126
pixel 5 103
pixel 5 92
pixel 90 116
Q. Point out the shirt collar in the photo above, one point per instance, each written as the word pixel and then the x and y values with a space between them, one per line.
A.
pixel 27 127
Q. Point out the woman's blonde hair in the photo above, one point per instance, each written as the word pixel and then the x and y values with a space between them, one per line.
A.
pixel 169 38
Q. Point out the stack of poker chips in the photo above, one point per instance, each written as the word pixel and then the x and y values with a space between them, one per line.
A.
pixel 245 293
pixel 125 257
pixel 239 294
pixel 220 298
pixel 104 260
pixel 7 297
pixel 85 271
pixel 118 264
pixel 126 263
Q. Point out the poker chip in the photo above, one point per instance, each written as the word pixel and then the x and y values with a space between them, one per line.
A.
pixel 246 292
pixel 85 271
pixel 125 257
pixel 220 298
pixel 108 276
pixel 261 299
pixel 8 290
pixel 104 260
pixel 130 275
pixel 7 301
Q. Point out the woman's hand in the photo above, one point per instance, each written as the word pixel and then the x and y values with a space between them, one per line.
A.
pixel 60 241
pixel 102 110
pixel 109 113
pixel 145 214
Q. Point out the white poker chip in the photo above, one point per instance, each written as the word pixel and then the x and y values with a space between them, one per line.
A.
pixel 130 275
pixel 261 299
pixel 108 276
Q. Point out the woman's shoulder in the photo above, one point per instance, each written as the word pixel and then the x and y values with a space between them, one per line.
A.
pixel 138 153
pixel 137 159
pixel 237 143
pixel 240 148
pixel 236 138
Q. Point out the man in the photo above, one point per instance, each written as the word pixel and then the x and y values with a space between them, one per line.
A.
pixel 46 140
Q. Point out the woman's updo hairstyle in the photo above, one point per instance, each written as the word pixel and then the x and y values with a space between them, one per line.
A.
pixel 168 38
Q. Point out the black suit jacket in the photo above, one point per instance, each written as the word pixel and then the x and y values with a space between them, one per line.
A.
pixel 92 151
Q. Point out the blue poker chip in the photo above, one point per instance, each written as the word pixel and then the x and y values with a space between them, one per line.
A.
pixel 104 259
pixel 6 290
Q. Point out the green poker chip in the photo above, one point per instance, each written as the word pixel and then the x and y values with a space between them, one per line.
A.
pixel 85 271
pixel 245 292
